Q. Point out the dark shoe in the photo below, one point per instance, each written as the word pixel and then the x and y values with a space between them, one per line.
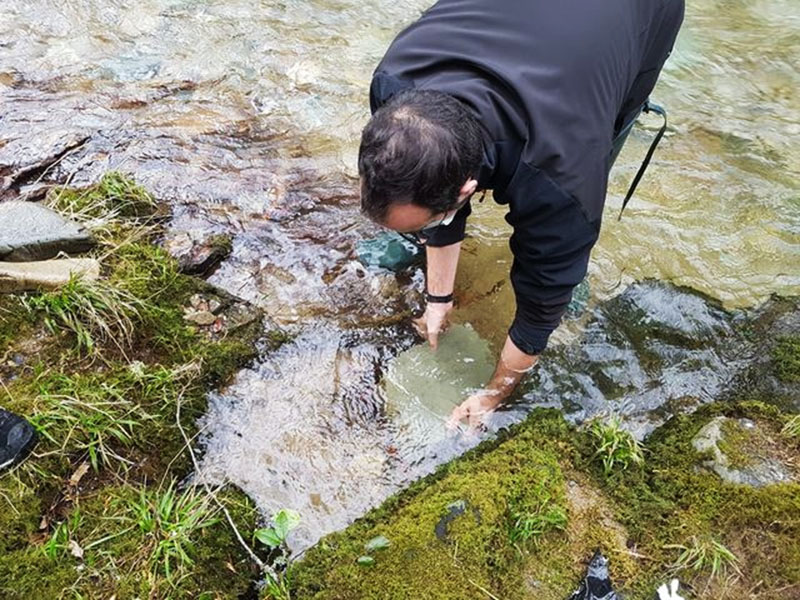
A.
pixel 17 439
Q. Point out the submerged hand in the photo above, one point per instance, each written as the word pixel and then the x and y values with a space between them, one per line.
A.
pixel 433 321
pixel 475 408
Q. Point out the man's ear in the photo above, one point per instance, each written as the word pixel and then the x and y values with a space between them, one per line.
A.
pixel 469 188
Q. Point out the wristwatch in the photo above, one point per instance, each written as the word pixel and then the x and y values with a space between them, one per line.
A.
pixel 438 299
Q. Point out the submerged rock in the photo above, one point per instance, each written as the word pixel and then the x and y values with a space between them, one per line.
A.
pixel 199 254
pixel 30 231
pixel 26 159
pixel 389 250
pixel 653 351
pixel 741 451
pixel 46 274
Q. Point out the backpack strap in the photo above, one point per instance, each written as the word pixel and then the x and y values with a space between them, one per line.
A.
pixel 648 108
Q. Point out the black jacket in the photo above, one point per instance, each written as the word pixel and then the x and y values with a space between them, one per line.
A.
pixel 551 82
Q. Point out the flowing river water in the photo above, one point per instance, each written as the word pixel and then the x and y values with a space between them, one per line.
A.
pixel 245 117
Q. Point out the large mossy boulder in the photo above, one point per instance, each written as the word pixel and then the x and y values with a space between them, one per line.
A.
pixel 467 530
pixel 746 452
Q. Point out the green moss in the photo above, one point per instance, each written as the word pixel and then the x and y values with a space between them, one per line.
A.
pixel 30 574
pixel 20 511
pixel 474 502
pixel 124 553
pixel 221 242
pixel 737 444
pixel 15 322
pixel 786 356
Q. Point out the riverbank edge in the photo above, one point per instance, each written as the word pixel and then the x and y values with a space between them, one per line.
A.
pixel 114 375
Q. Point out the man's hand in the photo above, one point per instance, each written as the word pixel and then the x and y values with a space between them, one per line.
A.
pixel 474 409
pixel 433 321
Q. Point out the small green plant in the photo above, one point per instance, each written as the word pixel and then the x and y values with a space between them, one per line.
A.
pixel 365 561
pixel 531 525
pixel 59 541
pixel 704 554
pixel 89 310
pixel 274 537
pixel 278 586
pixel 282 523
pixel 169 521
pixel 615 447
pixel 792 427
pixel 376 544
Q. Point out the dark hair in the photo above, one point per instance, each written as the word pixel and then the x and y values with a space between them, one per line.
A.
pixel 419 148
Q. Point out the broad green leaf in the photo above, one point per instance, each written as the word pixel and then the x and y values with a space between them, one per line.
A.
pixel 268 537
pixel 377 543
pixel 365 561
pixel 284 521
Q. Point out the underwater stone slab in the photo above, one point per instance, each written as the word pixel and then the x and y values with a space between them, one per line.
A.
pixel 45 274
pixel 30 231
pixel 423 386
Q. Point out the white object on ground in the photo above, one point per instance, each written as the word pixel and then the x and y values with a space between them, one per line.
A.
pixel 45 274
pixel 671 593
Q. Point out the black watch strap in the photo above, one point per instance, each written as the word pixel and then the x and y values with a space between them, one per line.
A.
pixel 438 299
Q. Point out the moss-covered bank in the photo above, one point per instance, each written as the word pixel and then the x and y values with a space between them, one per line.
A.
pixel 109 372
pixel 524 513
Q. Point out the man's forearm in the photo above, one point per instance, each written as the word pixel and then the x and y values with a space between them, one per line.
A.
pixel 441 268
pixel 513 365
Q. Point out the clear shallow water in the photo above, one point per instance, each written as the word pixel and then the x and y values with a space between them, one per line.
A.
pixel 245 116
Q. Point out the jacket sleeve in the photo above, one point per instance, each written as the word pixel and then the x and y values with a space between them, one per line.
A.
pixel 383 87
pixel 551 244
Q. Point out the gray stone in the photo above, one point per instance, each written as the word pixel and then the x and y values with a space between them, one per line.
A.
pixel 202 317
pixel 45 274
pixel 30 231
pixel 763 470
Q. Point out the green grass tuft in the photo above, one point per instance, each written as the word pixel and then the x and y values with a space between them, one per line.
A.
pixel 90 310
pixel 169 522
pixel 532 515
pixel 115 197
pixel 705 554
pixel 791 428
pixel 615 447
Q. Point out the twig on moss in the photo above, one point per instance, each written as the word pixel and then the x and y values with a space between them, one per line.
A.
pixel 261 564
